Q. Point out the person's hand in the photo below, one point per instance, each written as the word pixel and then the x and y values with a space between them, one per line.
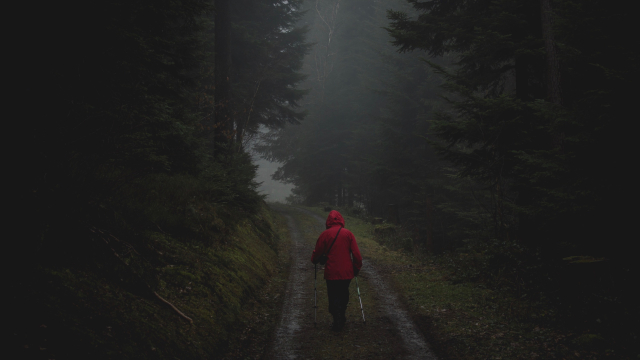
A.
pixel 355 271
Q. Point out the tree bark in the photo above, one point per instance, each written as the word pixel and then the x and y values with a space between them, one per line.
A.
pixel 522 78
pixel 429 215
pixel 554 86
pixel 392 214
pixel 554 89
pixel 223 128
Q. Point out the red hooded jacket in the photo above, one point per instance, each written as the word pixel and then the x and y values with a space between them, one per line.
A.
pixel 340 265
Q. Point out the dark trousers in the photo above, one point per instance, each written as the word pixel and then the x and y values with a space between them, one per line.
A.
pixel 338 291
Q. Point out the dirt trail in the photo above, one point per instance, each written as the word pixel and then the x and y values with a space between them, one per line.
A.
pixel 296 304
pixel 413 341
pixel 388 334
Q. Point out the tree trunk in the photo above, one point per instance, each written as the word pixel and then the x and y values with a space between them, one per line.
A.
pixel 223 128
pixel 554 90
pixel 429 215
pixel 239 135
pixel 349 197
pixel 522 78
pixel 392 214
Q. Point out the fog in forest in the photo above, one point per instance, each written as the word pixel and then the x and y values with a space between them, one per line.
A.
pixel 177 158
pixel 274 190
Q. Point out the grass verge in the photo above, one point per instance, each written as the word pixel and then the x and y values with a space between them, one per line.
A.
pixel 469 321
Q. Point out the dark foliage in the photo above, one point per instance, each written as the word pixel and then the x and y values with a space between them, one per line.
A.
pixel 124 98
pixel 554 167
pixel 117 176
pixel 544 162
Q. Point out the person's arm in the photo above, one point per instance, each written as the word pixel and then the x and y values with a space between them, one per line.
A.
pixel 357 257
pixel 319 250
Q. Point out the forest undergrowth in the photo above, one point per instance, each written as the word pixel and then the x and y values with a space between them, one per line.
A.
pixel 500 301
pixel 170 274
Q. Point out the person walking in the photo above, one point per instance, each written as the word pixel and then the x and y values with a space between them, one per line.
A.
pixel 343 262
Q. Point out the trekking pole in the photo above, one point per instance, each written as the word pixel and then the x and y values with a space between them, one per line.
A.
pixel 315 295
pixel 359 298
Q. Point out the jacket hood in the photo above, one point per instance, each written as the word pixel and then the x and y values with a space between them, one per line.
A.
pixel 335 218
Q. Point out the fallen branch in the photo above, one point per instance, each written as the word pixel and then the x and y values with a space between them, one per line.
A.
pixel 104 236
pixel 173 307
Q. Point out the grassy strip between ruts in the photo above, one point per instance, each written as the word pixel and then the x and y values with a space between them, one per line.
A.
pixel 467 320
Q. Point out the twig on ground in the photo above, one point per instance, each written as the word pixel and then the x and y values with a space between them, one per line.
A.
pixel 115 253
pixel 173 307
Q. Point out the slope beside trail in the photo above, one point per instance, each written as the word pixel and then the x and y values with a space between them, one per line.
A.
pixel 388 333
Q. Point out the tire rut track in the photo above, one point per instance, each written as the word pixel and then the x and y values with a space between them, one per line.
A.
pixel 297 294
pixel 297 308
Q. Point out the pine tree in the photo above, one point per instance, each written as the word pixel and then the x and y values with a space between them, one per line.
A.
pixel 129 103
pixel 519 122
pixel 318 155
pixel 223 126
pixel 268 48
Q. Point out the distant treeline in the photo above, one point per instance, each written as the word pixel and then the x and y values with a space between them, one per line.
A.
pixel 479 120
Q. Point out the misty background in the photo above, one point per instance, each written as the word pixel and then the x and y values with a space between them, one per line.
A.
pixel 275 190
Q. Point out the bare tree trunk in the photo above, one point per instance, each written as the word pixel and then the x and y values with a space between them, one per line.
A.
pixel 324 62
pixel 392 214
pixel 223 128
pixel 554 89
pixel 429 215
pixel 239 135
pixel 498 215
pixel 522 78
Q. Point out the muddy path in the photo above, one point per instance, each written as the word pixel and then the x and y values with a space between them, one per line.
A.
pixel 296 307
pixel 388 333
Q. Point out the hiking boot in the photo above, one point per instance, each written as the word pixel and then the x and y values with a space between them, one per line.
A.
pixel 338 323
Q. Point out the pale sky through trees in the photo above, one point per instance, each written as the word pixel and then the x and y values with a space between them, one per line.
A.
pixel 275 190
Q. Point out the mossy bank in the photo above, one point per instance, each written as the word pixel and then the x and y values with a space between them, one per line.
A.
pixel 121 301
